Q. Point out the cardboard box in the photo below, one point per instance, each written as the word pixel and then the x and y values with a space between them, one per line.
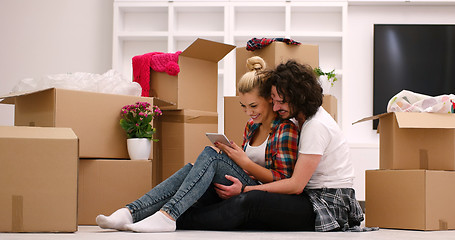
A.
pixel 198 72
pixel 107 185
pixel 38 179
pixel 94 117
pixel 276 53
pixel 235 118
pixel 329 103
pixel 416 140
pixel 183 138
pixel 410 199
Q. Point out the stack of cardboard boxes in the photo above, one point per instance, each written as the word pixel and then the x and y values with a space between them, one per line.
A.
pixel 71 163
pixel 194 92
pixel 412 188
pixel 274 54
pixel 71 160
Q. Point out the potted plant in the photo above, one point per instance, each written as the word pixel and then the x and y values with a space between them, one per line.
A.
pixel 327 79
pixel 136 120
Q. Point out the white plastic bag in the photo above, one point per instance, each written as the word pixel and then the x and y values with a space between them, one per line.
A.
pixel 109 82
pixel 407 101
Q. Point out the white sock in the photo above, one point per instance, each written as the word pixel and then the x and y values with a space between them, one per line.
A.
pixel 116 220
pixel 158 222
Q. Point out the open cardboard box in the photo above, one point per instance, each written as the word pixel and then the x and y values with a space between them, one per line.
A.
pixel 182 138
pixel 38 179
pixel 410 140
pixel 106 185
pixel 276 53
pixel 410 199
pixel 198 73
pixel 94 117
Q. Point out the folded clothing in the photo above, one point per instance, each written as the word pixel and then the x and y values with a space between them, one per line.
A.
pixel 159 62
pixel 258 43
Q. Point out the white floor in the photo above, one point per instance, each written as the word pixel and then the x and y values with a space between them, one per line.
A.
pixel 94 232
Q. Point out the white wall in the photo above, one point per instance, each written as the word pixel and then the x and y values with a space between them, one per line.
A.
pixel 357 89
pixel 52 36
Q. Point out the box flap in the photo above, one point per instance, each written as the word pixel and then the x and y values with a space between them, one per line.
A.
pixel 207 50
pixel 425 120
pixel 9 98
pixel 162 104
pixel 36 132
pixel 371 118
pixel 418 119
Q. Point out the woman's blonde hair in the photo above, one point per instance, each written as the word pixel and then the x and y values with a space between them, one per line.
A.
pixel 254 77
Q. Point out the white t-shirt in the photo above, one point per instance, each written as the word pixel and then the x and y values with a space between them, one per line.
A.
pixel 257 153
pixel 321 135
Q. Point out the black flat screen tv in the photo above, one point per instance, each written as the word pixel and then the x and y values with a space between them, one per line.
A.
pixel 415 57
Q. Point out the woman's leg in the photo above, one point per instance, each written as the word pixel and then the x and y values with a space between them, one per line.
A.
pixel 209 167
pixel 255 210
pixel 146 205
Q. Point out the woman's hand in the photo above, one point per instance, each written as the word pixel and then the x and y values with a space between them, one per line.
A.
pixel 226 192
pixel 234 152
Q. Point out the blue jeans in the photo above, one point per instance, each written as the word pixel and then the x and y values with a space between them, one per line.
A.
pixel 181 190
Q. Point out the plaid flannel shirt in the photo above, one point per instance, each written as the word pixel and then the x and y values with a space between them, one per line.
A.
pixel 336 209
pixel 282 146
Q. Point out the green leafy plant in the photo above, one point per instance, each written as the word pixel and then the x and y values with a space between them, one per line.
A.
pixel 331 76
pixel 136 120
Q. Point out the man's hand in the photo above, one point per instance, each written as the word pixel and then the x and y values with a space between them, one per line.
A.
pixel 226 192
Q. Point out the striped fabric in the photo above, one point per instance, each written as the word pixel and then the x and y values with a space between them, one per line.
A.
pixel 281 150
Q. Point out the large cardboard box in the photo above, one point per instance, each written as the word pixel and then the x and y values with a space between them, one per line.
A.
pixel 107 185
pixel 183 138
pixel 330 104
pixel 410 199
pixel 94 117
pixel 276 53
pixel 235 118
pixel 38 179
pixel 198 72
pixel 416 140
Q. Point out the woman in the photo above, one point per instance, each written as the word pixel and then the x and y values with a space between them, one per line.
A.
pixel 319 195
pixel 269 153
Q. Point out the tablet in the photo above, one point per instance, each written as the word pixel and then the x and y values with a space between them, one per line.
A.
pixel 218 137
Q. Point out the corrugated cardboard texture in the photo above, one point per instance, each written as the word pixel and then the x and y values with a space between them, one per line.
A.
pixel 38 179
pixel 183 137
pixel 410 147
pixel 276 53
pixel 196 85
pixel 410 199
pixel 329 103
pixel 94 117
pixel 107 185
pixel 235 119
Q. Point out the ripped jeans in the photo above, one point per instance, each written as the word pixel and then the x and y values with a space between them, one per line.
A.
pixel 186 186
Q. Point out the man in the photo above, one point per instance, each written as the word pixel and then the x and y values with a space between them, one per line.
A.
pixel 319 195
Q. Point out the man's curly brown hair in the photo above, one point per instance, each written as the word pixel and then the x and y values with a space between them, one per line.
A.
pixel 298 85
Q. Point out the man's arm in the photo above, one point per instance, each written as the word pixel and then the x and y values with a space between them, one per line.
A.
pixel 304 169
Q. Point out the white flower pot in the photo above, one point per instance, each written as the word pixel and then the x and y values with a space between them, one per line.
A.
pixel 139 148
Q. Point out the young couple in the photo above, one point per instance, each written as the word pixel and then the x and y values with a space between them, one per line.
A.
pixel 278 180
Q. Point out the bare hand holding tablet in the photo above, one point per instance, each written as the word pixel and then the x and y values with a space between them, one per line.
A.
pixel 218 137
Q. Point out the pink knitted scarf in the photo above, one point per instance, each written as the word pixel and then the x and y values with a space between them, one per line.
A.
pixel 159 62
